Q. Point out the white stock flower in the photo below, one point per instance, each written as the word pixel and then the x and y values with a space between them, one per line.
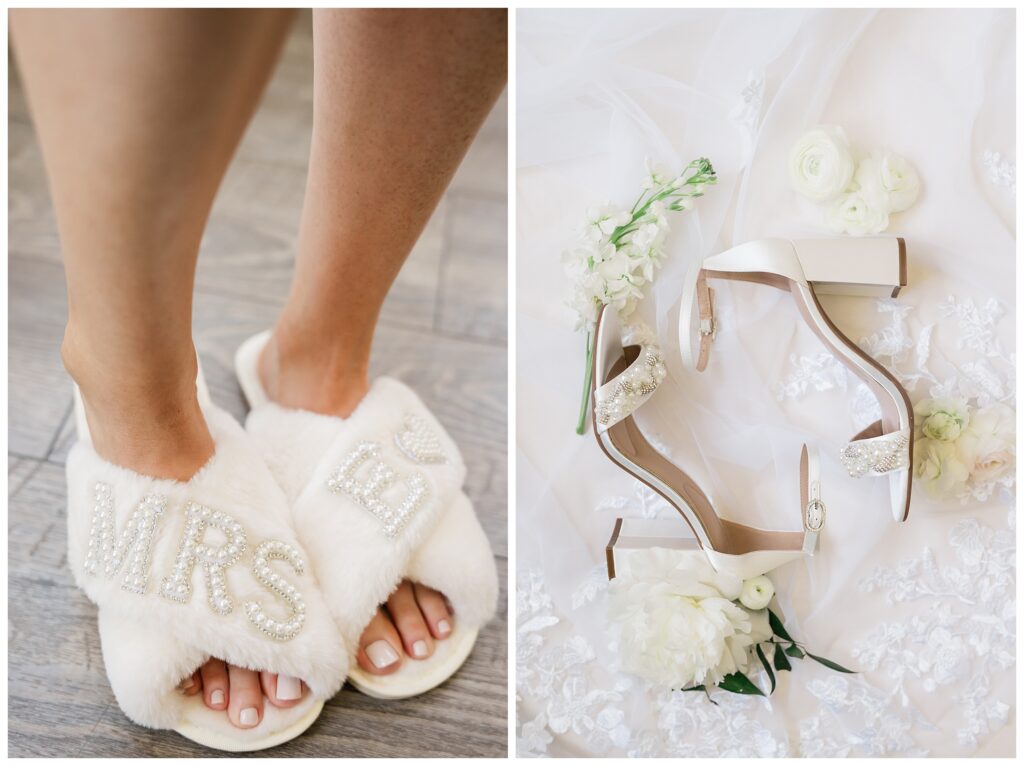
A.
pixel 658 175
pixel 888 182
pixel 939 467
pixel 757 592
pixel 821 164
pixel 602 221
pixel 987 446
pixel 942 419
pixel 852 214
pixel 677 621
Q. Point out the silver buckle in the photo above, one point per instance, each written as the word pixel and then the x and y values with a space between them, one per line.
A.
pixel 708 327
pixel 814 516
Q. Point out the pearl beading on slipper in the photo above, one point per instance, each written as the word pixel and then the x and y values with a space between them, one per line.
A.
pixel 214 561
pixel 877 456
pixel 136 544
pixel 288 628
pixel 619 398
pixel 379 477
pixel 418 442
pixel 136 540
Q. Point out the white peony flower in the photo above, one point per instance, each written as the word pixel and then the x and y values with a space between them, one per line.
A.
pixel 677 621
pixel 941 419
pixel 939 467
pixel 987 446
pixel 821 164
pixel 852 214
pixel 757 592
pixel 888 182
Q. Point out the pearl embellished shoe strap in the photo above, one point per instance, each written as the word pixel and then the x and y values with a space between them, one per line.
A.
pixel 877 456
pixel 621 396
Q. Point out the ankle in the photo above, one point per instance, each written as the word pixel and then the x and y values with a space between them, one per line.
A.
pixel 142 416
pixel 324 379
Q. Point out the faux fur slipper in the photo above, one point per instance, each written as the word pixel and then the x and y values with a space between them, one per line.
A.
pixel 377 497
pixel 185 571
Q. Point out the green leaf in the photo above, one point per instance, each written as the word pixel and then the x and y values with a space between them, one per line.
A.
pixel 700 688
pixel 777 627
pixel 829 664
pixel 767 666
pixel 795 651
pixel 781 663
pixel 739 684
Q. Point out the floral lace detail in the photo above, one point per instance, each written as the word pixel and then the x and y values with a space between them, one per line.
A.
pixel 556 676
pixel 645 504
pixel 820 372
pixel 1001 171
pixel 856 720
pixel 747 110
pixel 964 633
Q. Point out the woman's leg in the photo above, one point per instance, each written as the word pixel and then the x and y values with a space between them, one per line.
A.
pixel 138 113
pixel 398 97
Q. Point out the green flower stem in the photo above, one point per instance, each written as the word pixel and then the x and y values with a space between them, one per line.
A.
pixel 588 375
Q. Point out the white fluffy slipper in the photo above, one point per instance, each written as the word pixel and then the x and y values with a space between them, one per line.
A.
pixel 185 571
pixel 377 497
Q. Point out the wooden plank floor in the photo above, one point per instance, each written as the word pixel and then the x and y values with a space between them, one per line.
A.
pixel 443 331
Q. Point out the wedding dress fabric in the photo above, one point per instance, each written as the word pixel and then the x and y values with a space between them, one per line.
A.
pixel 924 611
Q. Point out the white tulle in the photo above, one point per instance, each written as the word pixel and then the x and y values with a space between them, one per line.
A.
pixel 597 93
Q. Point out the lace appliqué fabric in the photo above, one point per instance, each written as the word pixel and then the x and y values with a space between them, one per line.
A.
pixel 963 634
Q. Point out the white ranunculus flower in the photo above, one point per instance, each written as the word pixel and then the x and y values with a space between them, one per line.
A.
pixel 677 622
pixel 987 446
pixel 821 164
pixel 757 592
pixel 888 182
pixel 939 467
pixel 942 419
pixel 852 214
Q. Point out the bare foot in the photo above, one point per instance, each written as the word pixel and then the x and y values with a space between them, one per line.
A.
pixel 156 428
pixel 297 375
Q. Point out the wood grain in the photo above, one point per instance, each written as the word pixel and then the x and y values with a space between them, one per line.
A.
pixel 442 331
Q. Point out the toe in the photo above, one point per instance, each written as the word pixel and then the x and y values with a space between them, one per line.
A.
pixel 408 618
pixel 282 691
pixel 214 675
pixel 192 685
pixel 435 611
pixel 245 699
pixel 380 647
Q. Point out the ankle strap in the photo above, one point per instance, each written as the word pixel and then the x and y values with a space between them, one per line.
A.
pixel 699 327
pixel 810 498
pixel 622 395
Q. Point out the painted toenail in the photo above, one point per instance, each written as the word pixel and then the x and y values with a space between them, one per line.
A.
pixel 217 697
pixel 444 627
pixel 419 649
pixel 288 688
pixel 249 717
pixel 381 654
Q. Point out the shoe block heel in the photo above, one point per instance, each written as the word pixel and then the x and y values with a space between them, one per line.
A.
pixel 863 266
pixel 633 536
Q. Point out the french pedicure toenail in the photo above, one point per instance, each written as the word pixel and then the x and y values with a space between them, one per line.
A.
pixel 288 688
pixel 249 717
pixel 217 697
pixel 381 654
pixel 419 649
pixel 444 627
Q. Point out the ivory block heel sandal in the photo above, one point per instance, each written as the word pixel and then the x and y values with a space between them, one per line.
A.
pixel 868 266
